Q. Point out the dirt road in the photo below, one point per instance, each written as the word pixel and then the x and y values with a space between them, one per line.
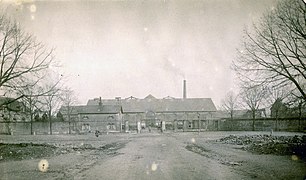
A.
pixel 153 156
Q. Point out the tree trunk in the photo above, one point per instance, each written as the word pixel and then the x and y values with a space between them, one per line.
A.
pixel 276 120
pixel 69 122
pixel 69 127
pixel 300 116
pixel 253 116
pixel 7 124
pixel 31 118
pixel 50 121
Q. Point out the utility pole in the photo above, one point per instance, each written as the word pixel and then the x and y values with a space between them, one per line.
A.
pixel 199 123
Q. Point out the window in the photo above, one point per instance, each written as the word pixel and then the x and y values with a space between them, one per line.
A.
pixel 111 126
pixel 189 124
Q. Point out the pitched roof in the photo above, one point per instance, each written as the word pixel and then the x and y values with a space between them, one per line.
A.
pixel 10 103
pixel 150 97
pixel 92 109
pixel 150 103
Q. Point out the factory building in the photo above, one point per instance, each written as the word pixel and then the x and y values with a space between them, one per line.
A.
pixel 152 113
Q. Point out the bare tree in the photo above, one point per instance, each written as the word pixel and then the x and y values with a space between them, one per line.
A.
pixel 31 97
pixel 69 99
pixel 30 101
pixel 253 98
pixel 275 50
pixel 276 98
pixel 23 60
pixel 51 101
pixel 230 103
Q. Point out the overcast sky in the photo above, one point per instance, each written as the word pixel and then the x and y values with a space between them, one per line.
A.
pixel 136 48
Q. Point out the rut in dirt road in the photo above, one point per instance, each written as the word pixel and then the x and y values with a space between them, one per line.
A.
pixel 212 155
pixel 91 158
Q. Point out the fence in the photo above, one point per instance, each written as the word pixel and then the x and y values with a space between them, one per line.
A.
pixel 37 127
pixel 266 124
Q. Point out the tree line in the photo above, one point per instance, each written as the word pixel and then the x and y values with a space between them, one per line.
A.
pixel 271 63
pixel 28 73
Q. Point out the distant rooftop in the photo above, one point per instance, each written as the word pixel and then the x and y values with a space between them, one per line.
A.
pixel 150 103
pixel 92 109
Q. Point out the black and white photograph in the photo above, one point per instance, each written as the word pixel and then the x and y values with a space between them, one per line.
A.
pixel 153 89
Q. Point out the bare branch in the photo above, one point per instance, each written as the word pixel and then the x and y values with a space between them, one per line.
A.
pixel 275 52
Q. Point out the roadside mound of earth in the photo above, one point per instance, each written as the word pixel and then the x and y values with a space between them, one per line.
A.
pixel 23 151
pixel 265 144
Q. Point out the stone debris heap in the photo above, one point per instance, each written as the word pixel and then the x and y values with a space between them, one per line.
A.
pixel 267 144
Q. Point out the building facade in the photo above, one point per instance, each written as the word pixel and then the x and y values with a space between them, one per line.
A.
pixel 146 114
pixel 174 113
pixel 84 119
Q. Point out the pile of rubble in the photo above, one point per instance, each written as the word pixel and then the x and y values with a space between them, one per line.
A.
pixel 68 148
pixel 266 144
pixel 25 151
pixel 22 151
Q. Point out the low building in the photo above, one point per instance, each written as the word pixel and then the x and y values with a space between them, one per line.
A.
pixel 83 119
pixel 12 110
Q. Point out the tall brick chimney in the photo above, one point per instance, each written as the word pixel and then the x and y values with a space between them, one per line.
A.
pixel 184 90
pixel 100 101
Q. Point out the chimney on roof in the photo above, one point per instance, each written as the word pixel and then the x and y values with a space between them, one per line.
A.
pixel 118 100
pixel 100 101
pixel 100 104
pixel 184 90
